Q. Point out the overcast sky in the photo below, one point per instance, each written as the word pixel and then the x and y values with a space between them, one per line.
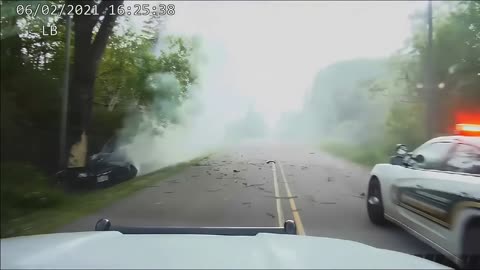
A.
pixel 269 52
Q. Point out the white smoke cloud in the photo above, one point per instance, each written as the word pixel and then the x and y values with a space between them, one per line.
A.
pixel 260 55
pixel 200 123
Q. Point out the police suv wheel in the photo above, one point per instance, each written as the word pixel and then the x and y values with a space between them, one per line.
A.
pixel 374 203
pixel 471 248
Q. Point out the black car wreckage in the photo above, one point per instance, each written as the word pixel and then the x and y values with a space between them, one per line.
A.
pixel 103 169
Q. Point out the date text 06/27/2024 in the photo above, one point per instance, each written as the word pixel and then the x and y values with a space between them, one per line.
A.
pixel 148 9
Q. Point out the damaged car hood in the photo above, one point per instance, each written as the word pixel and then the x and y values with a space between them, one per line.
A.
pixel 111 249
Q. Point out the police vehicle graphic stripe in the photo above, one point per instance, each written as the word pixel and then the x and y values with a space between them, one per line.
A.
pixel 439 207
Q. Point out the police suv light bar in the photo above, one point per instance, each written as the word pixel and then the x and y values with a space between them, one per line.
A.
pixel 468 129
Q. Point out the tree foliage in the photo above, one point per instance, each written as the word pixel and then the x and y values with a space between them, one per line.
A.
pixel 383 103
pixel 456 54
pixel 30 107
pixel 125 75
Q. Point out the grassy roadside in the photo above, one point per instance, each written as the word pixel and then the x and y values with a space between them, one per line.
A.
pixel 77 205
pixel 367 155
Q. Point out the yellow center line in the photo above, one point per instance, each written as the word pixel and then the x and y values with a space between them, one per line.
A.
pixel 293 206
pixel 277 197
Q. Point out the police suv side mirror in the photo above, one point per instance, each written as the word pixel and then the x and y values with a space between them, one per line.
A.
pixel 401 150
pixel 418 158
pixel 396 160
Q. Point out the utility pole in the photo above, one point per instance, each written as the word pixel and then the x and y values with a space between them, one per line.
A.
pixel 65 90
pixel 431 96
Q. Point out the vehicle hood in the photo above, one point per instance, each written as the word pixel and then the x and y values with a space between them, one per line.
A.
pixel 102 250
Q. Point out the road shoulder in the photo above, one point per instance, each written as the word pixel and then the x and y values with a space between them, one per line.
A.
pixel 81 204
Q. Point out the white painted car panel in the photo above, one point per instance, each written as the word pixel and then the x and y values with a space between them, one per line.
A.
pixel 113 250
pixel 464 185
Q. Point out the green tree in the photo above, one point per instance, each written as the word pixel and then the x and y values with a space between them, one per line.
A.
pixel 91 36
pixel 30 108
pixel 456 54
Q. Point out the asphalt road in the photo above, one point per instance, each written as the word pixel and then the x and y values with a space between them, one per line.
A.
pixel 322 193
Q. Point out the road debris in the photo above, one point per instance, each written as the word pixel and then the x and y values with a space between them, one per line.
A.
pixel 252 185
pixel 329 179
pixel 255 185
pixel 361 196
pixel 255 164
pixel 236 171
pixel 270 215
pixel 311 198
pixel 173 181
pixel 284 197
pixel 264 190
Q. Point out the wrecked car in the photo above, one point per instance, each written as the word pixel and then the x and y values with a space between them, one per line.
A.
pixel 106 168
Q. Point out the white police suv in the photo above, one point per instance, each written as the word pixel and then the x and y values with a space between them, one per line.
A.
pixel 434 194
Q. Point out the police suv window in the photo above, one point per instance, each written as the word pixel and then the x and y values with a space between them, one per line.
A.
pixel 465 159
pixel 434 154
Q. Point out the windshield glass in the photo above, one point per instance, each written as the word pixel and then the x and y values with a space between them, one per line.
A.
pixel 227 113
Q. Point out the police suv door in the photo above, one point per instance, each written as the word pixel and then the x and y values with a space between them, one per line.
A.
pixel 464 188
pixel 418 204
pixel 428 196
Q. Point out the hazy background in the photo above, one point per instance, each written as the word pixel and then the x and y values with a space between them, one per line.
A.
pixel 258 64
pixel 270 52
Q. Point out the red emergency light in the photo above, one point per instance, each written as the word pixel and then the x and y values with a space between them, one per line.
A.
pixel 467 129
